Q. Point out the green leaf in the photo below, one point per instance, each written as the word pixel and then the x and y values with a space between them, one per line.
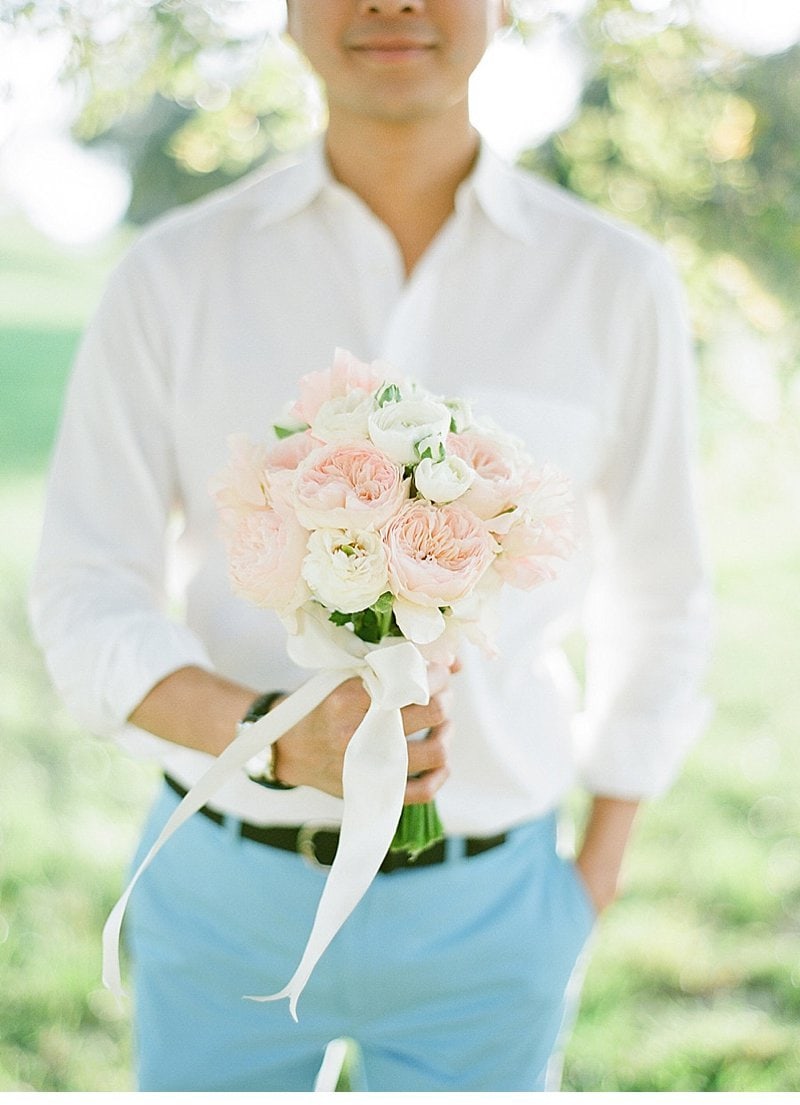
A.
pixel 288 431
pixel 428 454
pixel 367 627
pixel 374 623
pixel 383 604
pixel 390 393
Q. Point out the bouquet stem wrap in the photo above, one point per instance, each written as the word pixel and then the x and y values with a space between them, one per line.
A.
pixel 374 778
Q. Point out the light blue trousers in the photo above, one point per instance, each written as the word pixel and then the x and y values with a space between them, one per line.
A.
pixel 450 977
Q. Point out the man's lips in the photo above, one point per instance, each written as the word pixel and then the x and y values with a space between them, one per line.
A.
pixel 391 48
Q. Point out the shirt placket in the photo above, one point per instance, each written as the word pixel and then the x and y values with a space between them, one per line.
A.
pixel 373 272
pixel 417 316
pixel 397 314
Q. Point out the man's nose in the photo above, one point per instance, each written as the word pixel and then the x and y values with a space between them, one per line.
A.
pixel 391 7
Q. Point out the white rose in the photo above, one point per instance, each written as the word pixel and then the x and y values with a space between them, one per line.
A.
pixel 442 481
pixel 344 418
pixel 346 571
pixel 397 428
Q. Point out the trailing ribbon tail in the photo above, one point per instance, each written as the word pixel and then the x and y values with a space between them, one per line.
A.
pixel 374 782
pixel 254 740
pixel 374 777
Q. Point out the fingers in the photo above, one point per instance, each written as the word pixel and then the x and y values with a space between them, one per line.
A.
pixel 311 753
pixel 417 718
pixel 425 788
pixel 438 677
pixel 427 758
pixel 428 766
pixel 430 754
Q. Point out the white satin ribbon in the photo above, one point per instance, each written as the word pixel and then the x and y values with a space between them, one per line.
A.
pixel 374 777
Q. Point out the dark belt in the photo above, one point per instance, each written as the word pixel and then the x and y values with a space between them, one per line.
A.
pixel 318 843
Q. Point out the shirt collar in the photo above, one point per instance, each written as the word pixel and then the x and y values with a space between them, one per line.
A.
pixel 297 180
pixel 293 182
pixel 495 186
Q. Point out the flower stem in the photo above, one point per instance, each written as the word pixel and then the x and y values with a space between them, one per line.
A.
pixel 419 827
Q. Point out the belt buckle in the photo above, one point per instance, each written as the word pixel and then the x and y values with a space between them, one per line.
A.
pixel 306 845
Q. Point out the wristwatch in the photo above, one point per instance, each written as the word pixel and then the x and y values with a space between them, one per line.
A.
pixel 262 767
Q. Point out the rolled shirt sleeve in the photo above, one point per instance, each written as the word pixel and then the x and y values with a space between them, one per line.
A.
pixel 647 612
pixel 98 605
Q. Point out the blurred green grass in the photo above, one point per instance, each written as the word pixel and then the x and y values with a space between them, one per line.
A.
pixel 694 981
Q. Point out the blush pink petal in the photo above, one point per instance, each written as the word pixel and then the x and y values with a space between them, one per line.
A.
pixel 345 375
pixel 499 475
pixel 348 487
pixel 290 451
pixel 529 551
pixel 265 556
pixel 243 485
pixel 437 553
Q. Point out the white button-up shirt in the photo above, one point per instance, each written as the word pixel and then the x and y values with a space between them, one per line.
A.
pixel 565 327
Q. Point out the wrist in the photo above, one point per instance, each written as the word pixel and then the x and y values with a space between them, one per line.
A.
pixel 602 851
pixel 609 826
pixel 264 769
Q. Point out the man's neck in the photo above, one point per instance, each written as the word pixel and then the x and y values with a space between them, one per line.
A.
pixel 407 174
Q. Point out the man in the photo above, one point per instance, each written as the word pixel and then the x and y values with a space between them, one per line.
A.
pixel 400 237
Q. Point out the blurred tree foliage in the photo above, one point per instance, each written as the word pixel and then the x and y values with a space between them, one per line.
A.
pixel 692 139
pixel 192 93
pixel 699 144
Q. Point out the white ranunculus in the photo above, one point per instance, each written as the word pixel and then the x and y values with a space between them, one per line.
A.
pixel 398 427
pixel 346 571
pixel 420 624
pixel 460 414
pixel 413 389
pixel 442 481
pixel 431 446
pixel 344 418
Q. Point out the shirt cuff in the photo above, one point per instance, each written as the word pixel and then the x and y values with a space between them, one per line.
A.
pixel 145 649
pixel 636 757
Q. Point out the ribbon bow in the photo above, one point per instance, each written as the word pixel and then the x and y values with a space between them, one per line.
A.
pixel 373 781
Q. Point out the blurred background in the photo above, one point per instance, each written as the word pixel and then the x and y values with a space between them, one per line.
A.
pixel 682 116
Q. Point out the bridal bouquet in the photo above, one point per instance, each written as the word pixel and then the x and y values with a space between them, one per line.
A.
pixel 380 524
pixel 393 511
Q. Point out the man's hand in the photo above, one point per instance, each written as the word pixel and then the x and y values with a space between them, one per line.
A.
pixel 312 753
pixel 600 858
pixel 199 709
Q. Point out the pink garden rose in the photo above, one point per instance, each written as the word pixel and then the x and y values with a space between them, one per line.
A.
pixel 346 374
pixel 348 487
pixel 265 556
pixel 538 533
pixel 437 552
pixel 243 486
pixel 290 451
pixel 548 495
pixel 501 471
pixel 529 551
